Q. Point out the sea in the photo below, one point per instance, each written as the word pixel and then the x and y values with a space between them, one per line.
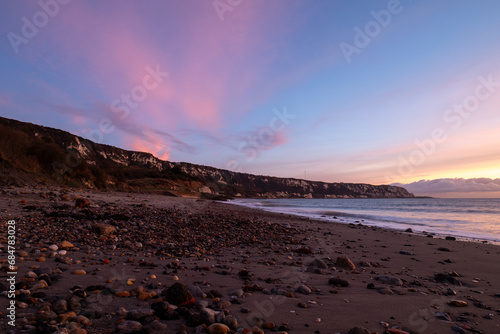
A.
pixel 476 220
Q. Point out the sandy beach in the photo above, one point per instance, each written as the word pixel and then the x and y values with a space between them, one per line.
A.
pixel 106 262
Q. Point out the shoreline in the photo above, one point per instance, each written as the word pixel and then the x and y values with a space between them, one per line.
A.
pixel 343 218
pixel 282 270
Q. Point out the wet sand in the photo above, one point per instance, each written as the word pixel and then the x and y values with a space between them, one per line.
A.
pixel 259 268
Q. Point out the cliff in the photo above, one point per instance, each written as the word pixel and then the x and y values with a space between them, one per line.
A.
pixel 35 154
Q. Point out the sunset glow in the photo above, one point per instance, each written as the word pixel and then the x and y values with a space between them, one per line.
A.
pixel 373 91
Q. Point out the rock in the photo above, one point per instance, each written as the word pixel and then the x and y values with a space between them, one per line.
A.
pixel 218 329
pixel 43 270
pixel 451 238
pixel 457 303
pixel 103 229
pixel 238 293
pixel 23 254
pixel 207 316
pixel 268 325
pixel 42 284
pixel 196 291
pixel 223 304
pixel 31 274
pixel 443 316
pixel 139 314
pixel 396 331
pixel 83 320
pixel 66 245
pixel 128 326
pixel 46 316
pixel 359 330
pixel 403 252
pixel 304 250
pixel 179 295
pixel 53 248
pixel 409 230
pixel 446 278
pixel 231 322
pixel 390 280
pixel 458 329
pixel 444 249
pixel 385 291
pixel 79 272
pixel 338 282
pixel 318 264
pixel 257 330
pixel 60 306
pixel 157 326
pixel 345 263
pixel 122 294
pixel 81 202
pixel 74 304
pixel 304 289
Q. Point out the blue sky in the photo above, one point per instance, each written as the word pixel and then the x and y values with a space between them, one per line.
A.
pixel 225 70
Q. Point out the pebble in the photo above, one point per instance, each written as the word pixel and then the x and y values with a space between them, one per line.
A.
pixel 345 263
pixel 218 329
pixel 140 313
pixel 42 284
pixel 304 289
pixel 129 326
pixel 458 329
pixel 403 252
pixel 53 248
pixel 336 281
pixel 79 272
pixel 457 303
pixel 179 295
pixel 390 280
pixel 359 330
pixel 268 325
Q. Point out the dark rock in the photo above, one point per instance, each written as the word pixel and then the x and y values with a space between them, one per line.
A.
pixel 43 270
pixel 345 263
pixel 444 249
pixel 409 230
pixel 128 326
pixel 318 264
pixel 359 330
pixel 403 252
pixel 338 282
pixel 179 295
pixel 390 280
pixel 140 314
pixel 446 278
pixel 451 238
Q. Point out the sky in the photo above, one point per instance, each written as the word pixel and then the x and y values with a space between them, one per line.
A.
pixel 376 92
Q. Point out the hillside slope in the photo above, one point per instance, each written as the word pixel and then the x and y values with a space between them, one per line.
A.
pixel 35 154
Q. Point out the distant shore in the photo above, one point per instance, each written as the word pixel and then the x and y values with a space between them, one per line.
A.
pixel 117 253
